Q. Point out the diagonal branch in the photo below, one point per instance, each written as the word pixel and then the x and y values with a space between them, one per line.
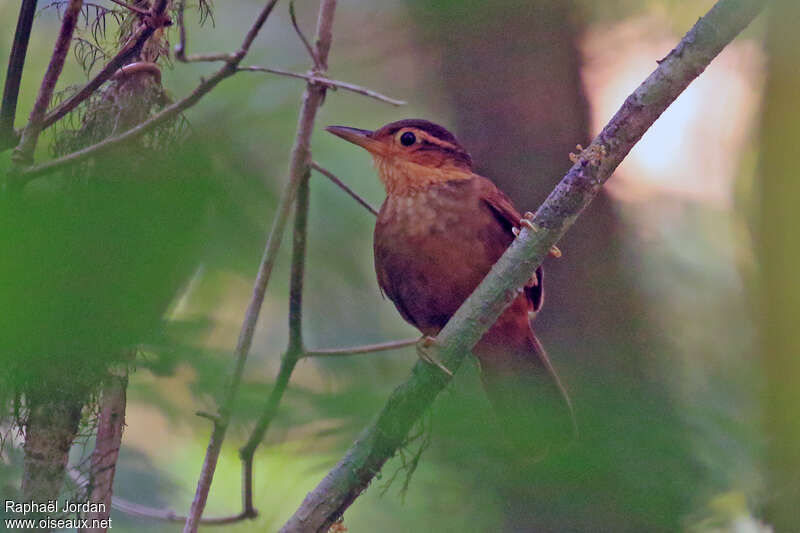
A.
pixel 331 176
pixel 16 62
pixel 299 168
pixel 23 153
pixel 379 441
pixel 311 52
pixel 252 33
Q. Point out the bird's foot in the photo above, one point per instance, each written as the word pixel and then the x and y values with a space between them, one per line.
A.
pixel 423 346
pixel 527 221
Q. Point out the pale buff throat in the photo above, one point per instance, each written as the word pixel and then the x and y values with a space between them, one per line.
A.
pixel 402 177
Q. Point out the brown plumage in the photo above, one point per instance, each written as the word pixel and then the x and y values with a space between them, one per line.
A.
pixel 438 233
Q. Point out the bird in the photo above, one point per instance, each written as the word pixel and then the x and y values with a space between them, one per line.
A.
pixel 438 233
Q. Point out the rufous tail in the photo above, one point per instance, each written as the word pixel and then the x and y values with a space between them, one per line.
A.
pixel 532 405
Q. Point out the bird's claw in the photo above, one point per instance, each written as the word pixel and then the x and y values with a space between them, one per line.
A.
pixel 527 221
pixel 422 352
pixel 524 221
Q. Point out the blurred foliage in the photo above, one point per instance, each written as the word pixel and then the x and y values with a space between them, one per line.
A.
pixel 779 286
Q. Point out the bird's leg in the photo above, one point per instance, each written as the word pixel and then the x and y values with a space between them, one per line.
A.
pixel 526 221
pixel 423 346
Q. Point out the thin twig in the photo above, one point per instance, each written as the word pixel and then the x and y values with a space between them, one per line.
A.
pixel 132 9
pixel 367 348
pixel 299 166
pixel 252 33
pixel 180 48
pixel 248 508
pixel 314 58
pixel 155 19
pixel 23 153
pixel 331 176
pixel 16 63
pixel 268 412
pixel 295 348
pixel 380 440
pixel 204 58
pixel 333 84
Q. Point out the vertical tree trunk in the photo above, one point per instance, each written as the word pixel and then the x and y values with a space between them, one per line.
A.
pixel 780 256
pixel 49 431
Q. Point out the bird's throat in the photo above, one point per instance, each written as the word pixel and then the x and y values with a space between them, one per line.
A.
pixel 402 177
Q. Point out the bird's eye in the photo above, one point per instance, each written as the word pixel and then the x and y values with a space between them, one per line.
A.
pixel 408 138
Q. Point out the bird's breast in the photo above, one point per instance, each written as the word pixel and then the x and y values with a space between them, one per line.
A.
pixel 432 249
pixel 425 214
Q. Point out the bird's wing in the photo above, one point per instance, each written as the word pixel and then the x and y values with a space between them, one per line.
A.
pixel 509 217
pixel 388 289
pixel 386 284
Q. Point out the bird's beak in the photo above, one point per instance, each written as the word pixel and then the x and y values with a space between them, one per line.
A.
pixel 362 138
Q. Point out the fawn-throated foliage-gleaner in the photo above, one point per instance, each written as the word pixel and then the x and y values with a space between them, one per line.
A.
pixel 439 231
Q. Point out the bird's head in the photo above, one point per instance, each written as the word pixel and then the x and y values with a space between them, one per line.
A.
pixel 411 154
